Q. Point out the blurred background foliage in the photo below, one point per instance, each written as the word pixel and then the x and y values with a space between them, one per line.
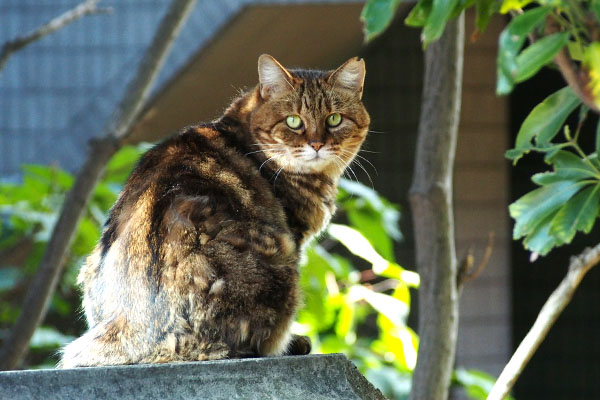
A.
pixel 357 298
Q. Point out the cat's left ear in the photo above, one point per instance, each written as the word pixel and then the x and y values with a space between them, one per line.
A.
pixel 274 79
pixel 351 75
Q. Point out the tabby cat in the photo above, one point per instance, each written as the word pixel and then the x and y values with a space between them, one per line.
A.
pixel 199 256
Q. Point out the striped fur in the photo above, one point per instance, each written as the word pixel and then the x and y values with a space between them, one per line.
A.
pixel 198 258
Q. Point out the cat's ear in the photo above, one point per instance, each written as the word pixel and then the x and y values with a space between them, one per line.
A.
pixel 351 75
pixel 273 77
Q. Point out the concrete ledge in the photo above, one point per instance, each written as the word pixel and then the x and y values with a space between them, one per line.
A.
pixel 313 377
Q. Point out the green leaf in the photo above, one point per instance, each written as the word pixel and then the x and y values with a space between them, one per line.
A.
pixel 534 57
pixel 441 12
pixel 376 16
pixel 477 384
pixel 122 163
pixel 417 17
pixel 575 50
pixel 535 206
pixel 578 214
pixel 388 212
pixel 539 240
pixel 567 167
pixel 485 9
pixel 510 43
pixel 591 61
pixel 545 120
pixel 598 137
pixel 595 7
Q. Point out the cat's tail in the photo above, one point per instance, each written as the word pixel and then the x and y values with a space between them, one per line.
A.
pixel 109 343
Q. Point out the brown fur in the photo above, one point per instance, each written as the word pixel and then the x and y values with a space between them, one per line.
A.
pixel 198 259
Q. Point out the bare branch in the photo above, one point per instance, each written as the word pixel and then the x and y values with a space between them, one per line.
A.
pixel 85 8
pixel 45 280
pixel 549 313
pixel 433 219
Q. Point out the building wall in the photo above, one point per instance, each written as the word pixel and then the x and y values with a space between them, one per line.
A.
pixel 395 65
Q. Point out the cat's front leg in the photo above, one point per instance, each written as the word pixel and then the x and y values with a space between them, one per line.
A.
pixel 299 346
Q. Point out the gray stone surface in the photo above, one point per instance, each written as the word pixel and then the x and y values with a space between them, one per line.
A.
pixel 313 377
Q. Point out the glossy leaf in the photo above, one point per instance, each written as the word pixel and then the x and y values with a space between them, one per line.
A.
pixel 441 11
pixel 485 9
pixel 591 61
pixel 510 43
pixel 534 57
pixel 532 208
pixel 546 119
pixel 376 16
pixel 567 167
pixel 417 17
pixel 578 214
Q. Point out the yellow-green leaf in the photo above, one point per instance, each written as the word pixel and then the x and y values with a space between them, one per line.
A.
pixel 591 61
pixel 510 5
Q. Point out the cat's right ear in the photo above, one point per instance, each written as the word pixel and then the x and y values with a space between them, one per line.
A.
pixel 274 79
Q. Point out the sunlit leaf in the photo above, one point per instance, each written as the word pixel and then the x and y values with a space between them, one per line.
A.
pixel 591 62
pixel 512 5
pixel 357 244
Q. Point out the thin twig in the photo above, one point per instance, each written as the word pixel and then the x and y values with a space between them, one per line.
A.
pixel 44 283
pixel 467 271
pixel 576 77
pixel 85 8
pixel 549 313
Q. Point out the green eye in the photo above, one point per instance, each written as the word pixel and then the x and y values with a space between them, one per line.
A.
pixel 334 120
pixel 293 121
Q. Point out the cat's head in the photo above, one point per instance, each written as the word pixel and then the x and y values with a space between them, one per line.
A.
pixel 309 121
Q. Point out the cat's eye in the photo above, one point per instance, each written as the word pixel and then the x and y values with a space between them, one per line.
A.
pixel 334 120
pixel 293 121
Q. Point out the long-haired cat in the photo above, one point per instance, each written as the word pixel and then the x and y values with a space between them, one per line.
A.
pixel 199 257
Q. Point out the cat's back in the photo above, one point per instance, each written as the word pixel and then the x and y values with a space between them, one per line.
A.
pixel 186 191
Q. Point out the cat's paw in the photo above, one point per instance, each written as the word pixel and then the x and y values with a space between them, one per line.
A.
pixel 299 346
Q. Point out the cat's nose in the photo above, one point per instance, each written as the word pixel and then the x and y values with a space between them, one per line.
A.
pixel 316 145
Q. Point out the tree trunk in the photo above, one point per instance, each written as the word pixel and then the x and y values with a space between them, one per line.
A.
pixel 431 203
pixel 45 281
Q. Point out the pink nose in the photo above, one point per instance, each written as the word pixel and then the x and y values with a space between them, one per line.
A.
pixel 316 145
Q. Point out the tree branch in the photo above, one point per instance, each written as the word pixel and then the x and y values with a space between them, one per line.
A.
pixel 548 315
pixel 575 76
pixel 431 203
pixel 45 281
pixel 12 46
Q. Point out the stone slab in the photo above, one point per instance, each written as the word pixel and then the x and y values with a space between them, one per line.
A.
pixel 313 377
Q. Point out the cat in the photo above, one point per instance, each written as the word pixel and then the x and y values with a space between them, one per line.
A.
pixel 199 256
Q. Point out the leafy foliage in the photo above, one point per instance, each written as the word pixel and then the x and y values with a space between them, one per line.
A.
pixel 568 197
